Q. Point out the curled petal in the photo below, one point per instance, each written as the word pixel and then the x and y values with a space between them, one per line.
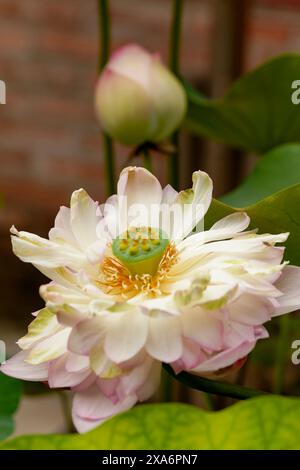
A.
pixel 224 359
pixel 228 227
pixel 44 324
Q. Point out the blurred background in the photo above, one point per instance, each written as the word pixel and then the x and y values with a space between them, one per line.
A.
pixel 50 141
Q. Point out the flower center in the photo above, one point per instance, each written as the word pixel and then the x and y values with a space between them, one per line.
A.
pixel 140 249
pixel 117 280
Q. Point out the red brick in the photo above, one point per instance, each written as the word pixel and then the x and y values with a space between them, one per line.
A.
pixel 70 169
pixel 80 46
pixel 10 9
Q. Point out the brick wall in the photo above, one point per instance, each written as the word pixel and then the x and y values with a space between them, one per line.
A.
pixel 50 142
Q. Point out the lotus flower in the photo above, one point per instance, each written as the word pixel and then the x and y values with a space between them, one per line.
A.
pixel 132 286
pixel 137 98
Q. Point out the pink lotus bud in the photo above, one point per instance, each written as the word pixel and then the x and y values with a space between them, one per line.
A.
pixel 137 98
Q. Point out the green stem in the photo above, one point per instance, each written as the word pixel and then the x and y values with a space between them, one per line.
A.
pixel 166 387
pixel 174 162
pixel 147 160
pixel 174 56
pixel 214 386
pixel 104 26
pixel 284 325
pixel 175 35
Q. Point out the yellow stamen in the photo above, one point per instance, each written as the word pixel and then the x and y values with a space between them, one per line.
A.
pixel 118 281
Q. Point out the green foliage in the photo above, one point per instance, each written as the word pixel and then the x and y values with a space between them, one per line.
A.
pixel 257 113
pixel 10 392
pixel 274 214
pixel 260 423
pixel 276 170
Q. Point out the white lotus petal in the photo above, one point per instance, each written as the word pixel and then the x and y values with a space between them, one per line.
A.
pixel 60 377
pixel 85 335
pixel 164 342
pixel 92 404
pixel 202 327
pixel 169 195
pixel 193 203
pixel 43 325
pixel 40 251
pixel 151 384
pixel 251 310
pixel 126 336
pixel 289 285
pixel 224 359
pixel 18 367
pixel 227 227
pixel 140 196
pixel 76 363
pixel 62 231
pixel 84 218
pixel 49 348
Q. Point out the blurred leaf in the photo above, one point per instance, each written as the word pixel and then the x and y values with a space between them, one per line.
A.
pixel 257 113
pixel 274 214
pixel 270 422
pixel 276 170
pixel 10 392
pixel 36 388
pixel 265 351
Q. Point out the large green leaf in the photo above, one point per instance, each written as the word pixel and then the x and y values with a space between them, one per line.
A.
pixel 274 214
pixel 260 423
pixel 10 392
pixel 276 170
pixel 257 113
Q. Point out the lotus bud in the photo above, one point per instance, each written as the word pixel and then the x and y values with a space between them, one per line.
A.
pixel 137 98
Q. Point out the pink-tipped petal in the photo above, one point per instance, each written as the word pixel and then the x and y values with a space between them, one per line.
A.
pixel 289 285
pixel 92 404
pixel 17 367
pixel 59 377
pixel 85 335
